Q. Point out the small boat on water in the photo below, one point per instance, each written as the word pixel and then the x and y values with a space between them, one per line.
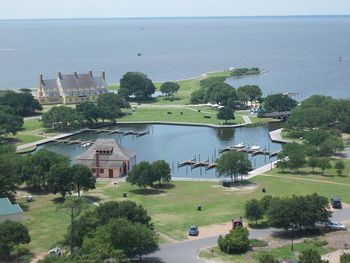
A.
pixel 84 145
pixel 255 147
pixel 240 145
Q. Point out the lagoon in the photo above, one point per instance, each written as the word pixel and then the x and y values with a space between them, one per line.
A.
pixel 176 143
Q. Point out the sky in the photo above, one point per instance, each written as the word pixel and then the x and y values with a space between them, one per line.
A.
pixel 39 9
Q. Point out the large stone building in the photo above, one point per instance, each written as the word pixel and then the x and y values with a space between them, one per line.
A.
pixel 107 159
pixel 71 88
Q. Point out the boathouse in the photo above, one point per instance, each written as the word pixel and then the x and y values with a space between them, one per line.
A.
pixel 8 211
pixel 107 159
pixel 71 88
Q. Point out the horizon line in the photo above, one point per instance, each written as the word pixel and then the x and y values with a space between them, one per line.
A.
pixel 177 17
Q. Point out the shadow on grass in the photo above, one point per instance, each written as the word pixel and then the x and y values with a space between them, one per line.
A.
pixel 58 200
pixel 92 199
pixel 148 260
pixel 260 225
pixel 164 186
pixel 298 234
pixel 147 191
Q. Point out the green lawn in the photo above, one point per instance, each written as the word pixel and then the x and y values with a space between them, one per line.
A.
pixel 33 124
pixel 27 138
pixel 188 116
pixel 280 253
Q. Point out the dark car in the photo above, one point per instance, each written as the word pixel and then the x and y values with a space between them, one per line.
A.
pixel 336 202
pixel 193 231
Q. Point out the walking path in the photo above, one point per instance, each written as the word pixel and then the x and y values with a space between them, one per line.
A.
pixel 276 136
pixel 246 119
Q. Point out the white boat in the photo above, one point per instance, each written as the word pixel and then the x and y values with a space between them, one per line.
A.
pixel 86 144
pixel 255 147
pixel 240 145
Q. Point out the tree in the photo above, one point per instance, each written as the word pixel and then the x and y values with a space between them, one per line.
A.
pixel 310 118
pixel 90 112
pixel 61 118
pixel 254 210
pixel 222 93
pixel 279 103
pixel 169 89
pixel 310 256
pixel 267 258
pixel 312 162
pixel 137 84
pixel 109 106
pixel 161 171
pixel 9 170
pixel 296 155
pixel 323 164
pixel 250 92
pixel 237 241
pixel 134 239
pixel 142 175
pixel 12 234
pixel 345 258
pixel 9 121
pixel 35 167
pixel 282 162
pixel 265 202
pixel 226 113
pixel 82 178
pixel 23 103
pixel 233 164
pixel 59 179
pixel 198 96
pixel 339 166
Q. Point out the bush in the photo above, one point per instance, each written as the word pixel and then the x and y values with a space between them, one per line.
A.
pixel 345 258
pixel 267 258
pixel 258 243
pixel 316 241
pixel 237 241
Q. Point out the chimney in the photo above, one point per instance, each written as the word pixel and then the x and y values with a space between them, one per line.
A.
pixel 41 81
pixel 59 75
pixel 97 156
pixel 103 75
pixel 75 74
pixel 90 72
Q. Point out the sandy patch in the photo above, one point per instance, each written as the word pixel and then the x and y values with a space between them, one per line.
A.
pixel 212 230
pixel 333 257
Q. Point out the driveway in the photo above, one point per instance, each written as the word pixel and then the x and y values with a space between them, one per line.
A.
pixel 186 251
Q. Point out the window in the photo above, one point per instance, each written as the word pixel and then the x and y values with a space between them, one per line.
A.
pixel 93 170
pixel 102 170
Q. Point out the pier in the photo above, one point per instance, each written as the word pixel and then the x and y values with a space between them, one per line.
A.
pixel 121 131
pixel 72 141
pixel 253 152
pixel 194 164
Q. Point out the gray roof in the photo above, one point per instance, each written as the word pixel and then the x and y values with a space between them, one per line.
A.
pixel 119 153
pixel 6 208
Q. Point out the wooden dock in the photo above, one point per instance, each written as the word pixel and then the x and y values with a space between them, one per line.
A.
pixel 72 141
pixel 250 151
pixel 120 131
pixel 194 164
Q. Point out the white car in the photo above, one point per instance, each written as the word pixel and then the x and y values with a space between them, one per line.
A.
pixel 55 252
pixel 332 225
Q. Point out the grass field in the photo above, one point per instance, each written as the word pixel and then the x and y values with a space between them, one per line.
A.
pixel 280 253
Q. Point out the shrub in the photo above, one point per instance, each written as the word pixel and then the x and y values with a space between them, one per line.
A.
pixel 258 243
pixel 235 242
pixel 267 258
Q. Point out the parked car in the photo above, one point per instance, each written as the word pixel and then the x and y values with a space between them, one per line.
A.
pixel 55 252
pixel 336 202
pixel 193 231
pixel 29 198
pixel 333 225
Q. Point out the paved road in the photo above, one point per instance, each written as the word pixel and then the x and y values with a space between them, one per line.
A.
pixel 186 251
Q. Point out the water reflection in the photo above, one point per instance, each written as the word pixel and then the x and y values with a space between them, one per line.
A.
pixel 175 143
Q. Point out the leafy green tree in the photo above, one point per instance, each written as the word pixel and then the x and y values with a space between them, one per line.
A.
pixel 23 103
pixel 233 164
pixel 11 235
pixel 310 256
pixel 89 111
pixel 265 202
pixel 339 166
pixel 222 93
pixel 267 258
pixel 237 241
pixel 35 167
pixel 312 162
pixel 310 118
pixel 134 239
pixel 251 92
pixel 296 155
pixel 169 89
pixel 345 258
pixel 142 175
pixel 198 96
pixel 323 164
pixel 254 210
pixel 109 106
pixel 59 179
pixel 9 170
pixel 279 103
pixel 137 84
pixel 9 121
pixel 317 136
pixel 61 118
pixel 282 162
pixel 226 113
pixel 82 178
pixel 161 171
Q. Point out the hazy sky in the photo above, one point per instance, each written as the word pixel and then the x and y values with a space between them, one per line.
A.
pixel 22 9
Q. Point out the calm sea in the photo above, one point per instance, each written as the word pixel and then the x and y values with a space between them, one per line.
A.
pixel 299 54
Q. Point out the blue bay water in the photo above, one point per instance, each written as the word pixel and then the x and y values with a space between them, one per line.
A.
pixel 299 54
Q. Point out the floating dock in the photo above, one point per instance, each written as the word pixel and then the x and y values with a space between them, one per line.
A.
pixel 120 131
pixel 253 152
pixel 194 164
